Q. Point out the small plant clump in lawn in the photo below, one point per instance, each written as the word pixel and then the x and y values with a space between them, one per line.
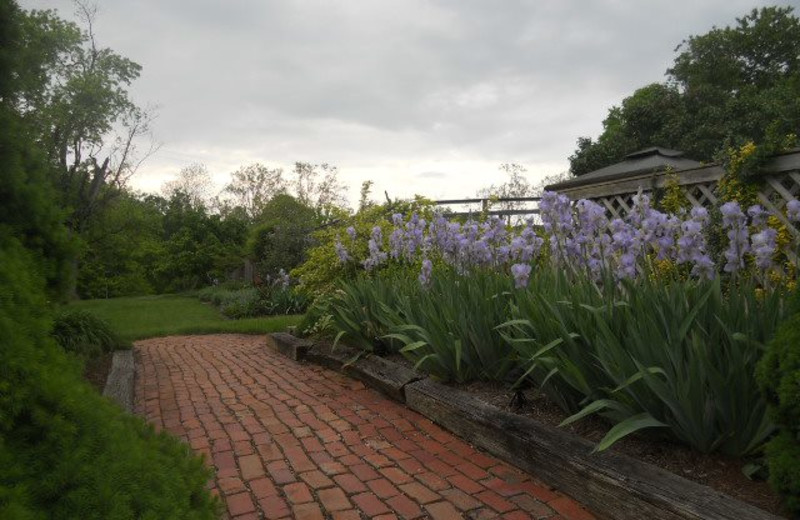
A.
pixel 275 296
pixel 85 334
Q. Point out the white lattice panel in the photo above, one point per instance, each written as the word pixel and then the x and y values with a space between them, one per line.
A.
pixel 776 191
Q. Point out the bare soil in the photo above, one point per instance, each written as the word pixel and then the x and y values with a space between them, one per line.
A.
pixel 96 370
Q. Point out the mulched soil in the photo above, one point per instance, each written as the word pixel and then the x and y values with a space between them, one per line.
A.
pixel 96 370
pixel 716 471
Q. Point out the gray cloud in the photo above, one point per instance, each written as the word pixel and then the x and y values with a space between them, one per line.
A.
pixel 382 87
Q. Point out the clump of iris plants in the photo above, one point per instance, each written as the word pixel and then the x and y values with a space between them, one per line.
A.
pixel 579 238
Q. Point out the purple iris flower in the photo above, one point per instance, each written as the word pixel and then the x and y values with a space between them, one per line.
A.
pixel 521 274
pixel 425 273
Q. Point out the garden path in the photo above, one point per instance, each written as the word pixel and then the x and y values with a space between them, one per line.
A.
pixel 293 440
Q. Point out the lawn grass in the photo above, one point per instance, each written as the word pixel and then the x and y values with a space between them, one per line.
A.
pixel 166 315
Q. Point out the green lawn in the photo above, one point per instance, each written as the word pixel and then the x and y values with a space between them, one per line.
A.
pixel 165 315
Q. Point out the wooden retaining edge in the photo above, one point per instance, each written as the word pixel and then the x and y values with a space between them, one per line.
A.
pixel 119 384
pixel 376 372
pixel 288 345
pixel 611 485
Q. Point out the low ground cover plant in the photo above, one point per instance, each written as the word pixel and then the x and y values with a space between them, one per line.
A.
pixel 274 297
pixel 140 317
pixel 85 334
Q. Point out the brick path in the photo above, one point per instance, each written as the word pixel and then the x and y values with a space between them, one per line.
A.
pixel 291 440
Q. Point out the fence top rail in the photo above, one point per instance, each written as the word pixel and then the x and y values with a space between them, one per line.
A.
pixel 472 201
pixel 498 212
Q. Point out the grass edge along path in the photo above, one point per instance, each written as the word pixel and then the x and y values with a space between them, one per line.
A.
pixel 141 317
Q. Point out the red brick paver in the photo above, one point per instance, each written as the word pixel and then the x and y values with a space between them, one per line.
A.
pixel 292 440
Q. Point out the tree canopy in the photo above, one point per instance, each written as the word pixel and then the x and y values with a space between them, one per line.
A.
pixel 727 87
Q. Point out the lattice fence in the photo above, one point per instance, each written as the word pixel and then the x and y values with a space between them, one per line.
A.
pixel 702 194
pixel 776 190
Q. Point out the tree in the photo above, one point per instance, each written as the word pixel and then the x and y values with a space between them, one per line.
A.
pixel 29 220
pixel 73 95
pixel 652 116
pixel 741 83
pixel 283 235
pixel 123 249
pixel 318 186
pixel 725 88
pixel 194 182
pixel 253 186
pixel 199 247
pixel 65 451
pixel 516 186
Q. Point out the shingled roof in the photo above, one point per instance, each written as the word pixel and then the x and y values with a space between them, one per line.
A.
pixel 653 159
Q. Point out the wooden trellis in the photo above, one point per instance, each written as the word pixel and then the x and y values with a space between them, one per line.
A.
pixel 780 183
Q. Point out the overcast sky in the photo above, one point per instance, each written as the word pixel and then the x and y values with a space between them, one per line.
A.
pixel 425 97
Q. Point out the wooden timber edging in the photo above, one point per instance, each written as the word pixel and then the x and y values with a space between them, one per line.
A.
pixel 119 384
pixel 611 485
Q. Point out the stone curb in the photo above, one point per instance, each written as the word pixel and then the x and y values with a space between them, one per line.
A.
pixel 611 485
pixel 119 384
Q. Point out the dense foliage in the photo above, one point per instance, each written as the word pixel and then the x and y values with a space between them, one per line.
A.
pixel 282 236
pixel 730 86
pixel 779 377
pixel 323 266
pixel 65 452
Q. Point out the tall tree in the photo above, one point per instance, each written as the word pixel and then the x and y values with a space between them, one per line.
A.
pixel 253 186
pixel 726 87
pixel 194 182
pixel 318 186
pixel 73 95
pixel 741 83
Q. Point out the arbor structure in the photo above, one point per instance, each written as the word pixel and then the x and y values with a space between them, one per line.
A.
pixel 725 88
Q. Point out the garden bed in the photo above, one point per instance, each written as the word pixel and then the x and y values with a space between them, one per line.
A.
pixel 614 484
pixel 716 471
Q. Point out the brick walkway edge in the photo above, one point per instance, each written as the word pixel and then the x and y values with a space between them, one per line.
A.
pixel 292 440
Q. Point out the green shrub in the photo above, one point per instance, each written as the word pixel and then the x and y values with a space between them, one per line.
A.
pixel 240 304
pixel 276 299
pixel 779 377
pixel 85 334
pixel 283 235
pixel 247 302
pixel 66 452
pixel 322 270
